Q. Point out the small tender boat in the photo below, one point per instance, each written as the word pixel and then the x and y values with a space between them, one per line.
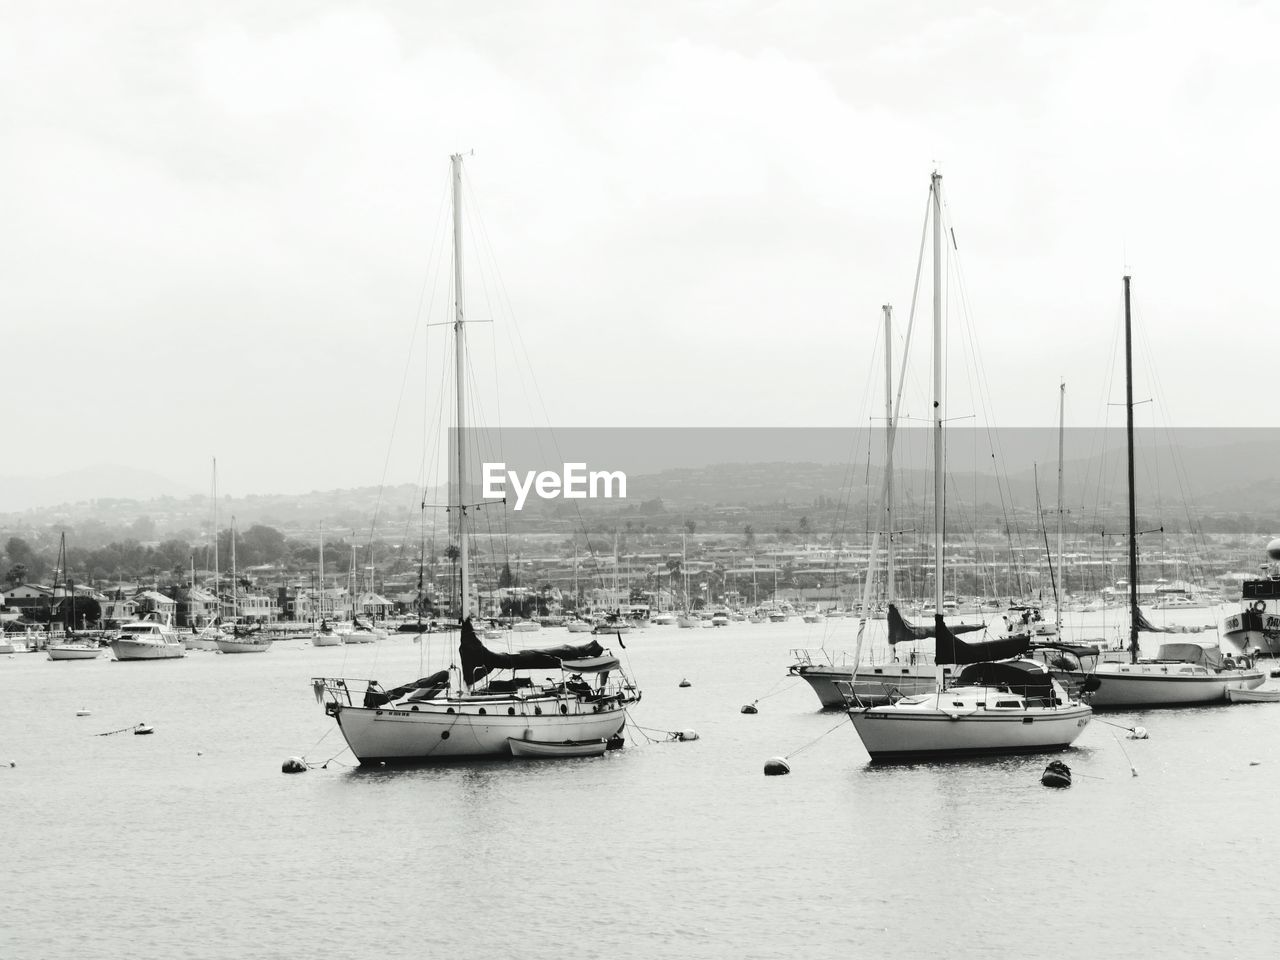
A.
pixel 1056 774
pixel 565 748
pixel 1241 695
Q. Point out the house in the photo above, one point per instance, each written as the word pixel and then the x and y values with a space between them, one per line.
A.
pixel 155 602
pixel 29 598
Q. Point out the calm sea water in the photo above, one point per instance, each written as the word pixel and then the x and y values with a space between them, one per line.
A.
pixel 191 843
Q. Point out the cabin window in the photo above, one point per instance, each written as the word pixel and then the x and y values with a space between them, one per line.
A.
pixel 957 703
pixel 1008 703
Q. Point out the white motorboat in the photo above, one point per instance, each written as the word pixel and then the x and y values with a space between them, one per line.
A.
pixel 146 640
pixel 578 625
pixel 526 626
pixel 1255 629
pixel 468 710
pixel 566 748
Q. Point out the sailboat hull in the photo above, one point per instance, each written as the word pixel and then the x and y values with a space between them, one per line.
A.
pixel 874 685
pixel 896 734
pixel 1147 685
pixel 406 735
pixel 244 646
pixel 73 651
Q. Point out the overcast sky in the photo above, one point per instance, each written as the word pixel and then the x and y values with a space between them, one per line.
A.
pixel 219 219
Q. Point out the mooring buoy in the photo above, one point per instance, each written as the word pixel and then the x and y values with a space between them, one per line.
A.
pixel 1139 733
pixel 776 767
pixel 685 683
pixel 1056 774
pixel 294 765
pixel 82 713
pixel 749 708
pixel 683 736
pixel 142 730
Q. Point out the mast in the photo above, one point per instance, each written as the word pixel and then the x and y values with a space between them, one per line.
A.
pixel 464 609
pixel 235 580
pixel 217 589
pixel 320 611
pixel 938 493
pixel 1133 510
pixel 888 450
pixel 1062 574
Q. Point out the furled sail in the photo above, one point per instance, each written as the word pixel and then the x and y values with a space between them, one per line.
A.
pixel 900 631
pixel 478 660
pixel 1145 625
pixel 949 648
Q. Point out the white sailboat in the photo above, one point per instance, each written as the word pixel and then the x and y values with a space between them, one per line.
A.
pixel 1182 674
pixel 207 637
pixel 465 710
pixel 324 635
pixel 989 706
pixel 71 649
pixel 239 642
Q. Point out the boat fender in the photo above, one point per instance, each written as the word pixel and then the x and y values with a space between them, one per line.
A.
pixel 1139 733
pixel 294 765
pixel 776 767
pixel 1259 606
pixel 750 708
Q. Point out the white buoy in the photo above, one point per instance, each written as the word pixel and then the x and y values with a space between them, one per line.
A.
pixel 82 713
pixel 294 765
pixel 1138 733
pixel 142 729
pixel 685 735
pixel 776 767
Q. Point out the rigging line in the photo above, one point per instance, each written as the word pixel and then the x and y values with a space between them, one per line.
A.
pixel 843 720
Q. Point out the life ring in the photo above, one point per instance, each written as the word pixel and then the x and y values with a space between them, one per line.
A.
pixel 1259 606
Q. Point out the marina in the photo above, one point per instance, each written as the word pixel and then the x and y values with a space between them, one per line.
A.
pixel 748 840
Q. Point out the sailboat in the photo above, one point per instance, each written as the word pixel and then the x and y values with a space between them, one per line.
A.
pixel 914 673
pixel 71 649
pixel 240 641
pixel 1182 674
pixel 686 620
pixel 206 637
pixel 324 635
pixel 468 710
pixel 990 706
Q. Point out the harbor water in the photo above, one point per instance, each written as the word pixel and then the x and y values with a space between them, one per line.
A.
pixel 192 843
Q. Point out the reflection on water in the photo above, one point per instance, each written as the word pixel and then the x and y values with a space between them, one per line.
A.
pixel 192 843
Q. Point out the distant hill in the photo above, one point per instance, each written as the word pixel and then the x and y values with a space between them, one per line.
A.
pixel 99 481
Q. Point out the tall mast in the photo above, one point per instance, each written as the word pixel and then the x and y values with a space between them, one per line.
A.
pixel 235 580
pixel 217 583
pixel 938 497
pixel 320 611
pixel 464 609
pixel 888 449
pixel 1133 510
pixel 1062 572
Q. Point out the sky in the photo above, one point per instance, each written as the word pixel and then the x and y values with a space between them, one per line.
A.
pixel 225 224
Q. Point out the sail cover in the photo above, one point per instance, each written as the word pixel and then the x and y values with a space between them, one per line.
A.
pixel 950 649
pixel 1021 677
pixel 900 631
pixel 1145 625
pixel 478 660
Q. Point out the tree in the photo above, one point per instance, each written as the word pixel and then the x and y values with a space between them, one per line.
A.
pixel 505 579
pixel 749 536
pixel 17 574
pixel 804 526
pixel 690 526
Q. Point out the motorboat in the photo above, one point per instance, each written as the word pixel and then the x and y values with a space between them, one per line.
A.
pixel 146 640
